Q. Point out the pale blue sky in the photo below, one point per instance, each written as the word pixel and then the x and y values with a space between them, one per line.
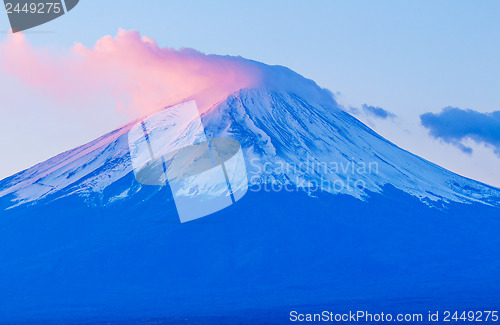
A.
pixel 406 57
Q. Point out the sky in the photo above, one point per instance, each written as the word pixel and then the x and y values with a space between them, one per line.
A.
pixel 411 60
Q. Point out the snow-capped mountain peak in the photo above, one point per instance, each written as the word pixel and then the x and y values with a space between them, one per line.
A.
pixel 294 136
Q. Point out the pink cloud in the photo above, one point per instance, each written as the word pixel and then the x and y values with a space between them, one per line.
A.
pixel 132 69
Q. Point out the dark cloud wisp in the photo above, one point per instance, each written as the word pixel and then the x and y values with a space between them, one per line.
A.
pixel 377 112
pixel 454 125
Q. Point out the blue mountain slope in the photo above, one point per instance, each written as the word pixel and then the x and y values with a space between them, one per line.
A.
pixel 271 252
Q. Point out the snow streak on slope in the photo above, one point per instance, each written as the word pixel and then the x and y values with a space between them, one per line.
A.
pixel 83 170
pixel 288 139
pixel 290 135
